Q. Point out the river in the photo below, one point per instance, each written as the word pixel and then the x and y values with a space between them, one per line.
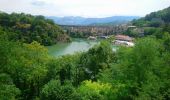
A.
pixel 76 45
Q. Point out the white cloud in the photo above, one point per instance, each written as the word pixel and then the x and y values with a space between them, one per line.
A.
pixel 86 8
pixel 38 3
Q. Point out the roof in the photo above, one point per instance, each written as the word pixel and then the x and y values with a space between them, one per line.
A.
pixel 131 26
pixel 123 37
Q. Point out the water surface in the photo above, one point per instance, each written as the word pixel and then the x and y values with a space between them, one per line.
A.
pixel 76 45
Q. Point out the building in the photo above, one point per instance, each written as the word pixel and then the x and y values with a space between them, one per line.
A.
pixel 103 37
pixel 92 38
pixel 132 27
pixel 123 40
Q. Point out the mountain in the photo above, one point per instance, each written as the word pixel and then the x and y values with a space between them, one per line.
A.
pixel 114 20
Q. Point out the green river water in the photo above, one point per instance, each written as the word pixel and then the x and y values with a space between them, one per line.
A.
pixel 76 45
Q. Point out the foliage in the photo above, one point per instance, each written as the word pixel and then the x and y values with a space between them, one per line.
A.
pixel 27 72
pixel 97 59
pixel 154 19
pixel 27 28
pixel 93 90
pixel 26 64
pixel 154 23
pixel 55 91
pixel 8 90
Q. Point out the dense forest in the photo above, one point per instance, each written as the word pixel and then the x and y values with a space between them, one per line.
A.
pixel 27 72
pixel 27 28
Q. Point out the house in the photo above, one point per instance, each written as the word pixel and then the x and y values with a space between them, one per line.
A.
pixel 123 40
pixel 104 37
pixel 132 27
pixel 92 38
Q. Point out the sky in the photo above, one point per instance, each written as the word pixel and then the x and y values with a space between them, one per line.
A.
pixel 84 8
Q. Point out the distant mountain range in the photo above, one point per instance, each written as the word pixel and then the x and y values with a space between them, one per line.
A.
pixel 114 20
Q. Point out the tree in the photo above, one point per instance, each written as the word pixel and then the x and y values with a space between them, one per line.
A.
pixel 97 59
pixel 93 90
pixel 25 26
pixel 8 90
pixel 26 64
pixel 55 91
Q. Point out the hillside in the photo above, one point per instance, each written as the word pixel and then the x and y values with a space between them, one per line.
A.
pixel 114 20
pixel 154 19
pixel 27 28
pixel 155 23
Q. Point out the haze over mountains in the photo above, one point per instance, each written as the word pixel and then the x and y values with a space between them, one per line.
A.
pixel 114 20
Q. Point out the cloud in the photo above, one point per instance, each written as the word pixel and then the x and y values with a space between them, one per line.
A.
pixel 38 3
pixel 85 8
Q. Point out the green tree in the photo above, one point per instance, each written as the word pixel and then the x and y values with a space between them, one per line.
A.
pixel 97 59
pixel 55 91
pixel 8 90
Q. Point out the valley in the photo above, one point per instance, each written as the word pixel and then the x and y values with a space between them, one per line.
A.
pixel 44 56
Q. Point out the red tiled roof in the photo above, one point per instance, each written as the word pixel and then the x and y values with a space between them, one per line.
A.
pixel 123 37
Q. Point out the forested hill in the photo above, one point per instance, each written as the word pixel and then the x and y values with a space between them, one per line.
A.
pixel 27 28
pixel 155 23
pixel 155 19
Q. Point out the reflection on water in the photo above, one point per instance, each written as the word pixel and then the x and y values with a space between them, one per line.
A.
pixel 76 45
pixel 69 48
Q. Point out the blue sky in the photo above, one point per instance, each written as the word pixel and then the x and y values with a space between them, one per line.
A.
pixel 84 8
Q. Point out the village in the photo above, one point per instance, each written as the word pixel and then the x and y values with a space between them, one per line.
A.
pixel 120 40
pixel 105 32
